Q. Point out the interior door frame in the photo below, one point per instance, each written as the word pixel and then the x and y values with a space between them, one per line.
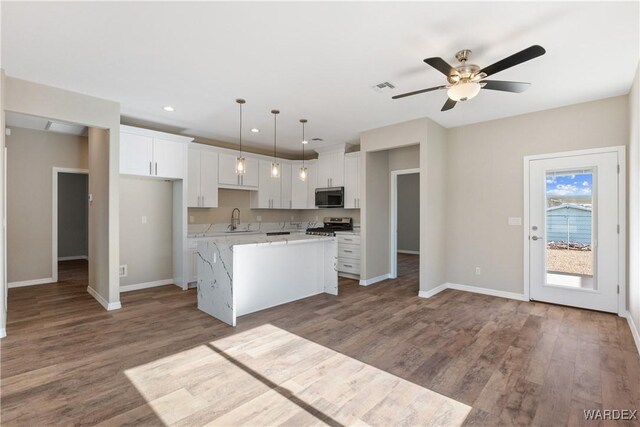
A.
pixel 393 217
pixel 54 216
pixel 622 215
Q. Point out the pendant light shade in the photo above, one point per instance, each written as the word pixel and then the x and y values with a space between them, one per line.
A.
pixel 275 166
pixel 240 162
pixel 303 169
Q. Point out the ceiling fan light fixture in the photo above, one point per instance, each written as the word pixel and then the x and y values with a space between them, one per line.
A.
pixel 464 91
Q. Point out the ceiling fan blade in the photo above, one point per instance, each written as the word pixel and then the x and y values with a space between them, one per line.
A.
pixel 516 87
pixel 441 65
pixel 513 60
pixel 448 105
pixel 418 91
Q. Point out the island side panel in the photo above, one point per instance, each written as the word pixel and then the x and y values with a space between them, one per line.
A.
pixel 272 274
pixel 330 270
pixel 215 281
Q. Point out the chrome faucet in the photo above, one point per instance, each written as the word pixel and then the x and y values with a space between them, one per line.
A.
pixel 235 220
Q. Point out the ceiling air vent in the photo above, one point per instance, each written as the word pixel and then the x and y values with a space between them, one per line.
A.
pixel 67 128
pixel 383 86
pixel 317 139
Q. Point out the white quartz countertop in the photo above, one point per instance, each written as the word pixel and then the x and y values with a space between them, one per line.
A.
pixel 263 239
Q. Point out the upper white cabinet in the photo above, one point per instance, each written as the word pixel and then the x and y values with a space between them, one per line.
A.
pixel 269 189
pixel 331 169
pixel 227 176
pixel 352 180
pixel 202 191
pixel 286 197
pixel 312 183
pixel 149 153
pixel 299 188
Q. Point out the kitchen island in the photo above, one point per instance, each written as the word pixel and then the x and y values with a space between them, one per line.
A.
pixel 242 274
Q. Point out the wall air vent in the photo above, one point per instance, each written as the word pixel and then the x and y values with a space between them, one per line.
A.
pixel 384 86
pixel 317 139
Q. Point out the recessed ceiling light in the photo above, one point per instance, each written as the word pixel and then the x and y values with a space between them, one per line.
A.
pixel 255 130
pixel 168 108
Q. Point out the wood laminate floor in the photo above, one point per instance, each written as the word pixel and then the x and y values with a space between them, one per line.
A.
pixel 376 355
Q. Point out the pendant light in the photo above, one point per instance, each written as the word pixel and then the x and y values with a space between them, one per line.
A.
pixel 275 166
pixel 240 162
pixel 303 169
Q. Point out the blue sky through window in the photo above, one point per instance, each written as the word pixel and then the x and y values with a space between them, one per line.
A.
pixel 569 185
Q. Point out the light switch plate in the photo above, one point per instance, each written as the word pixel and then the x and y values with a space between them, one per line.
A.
pixel 259 218
pixel 144 219
pixel 515 220
pixel 191 219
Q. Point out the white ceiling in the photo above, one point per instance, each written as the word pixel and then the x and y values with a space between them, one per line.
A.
pixel 317 60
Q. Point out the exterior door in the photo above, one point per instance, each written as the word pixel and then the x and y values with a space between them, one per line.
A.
pixel 574 231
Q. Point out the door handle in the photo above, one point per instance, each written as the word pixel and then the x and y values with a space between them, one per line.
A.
pixel 536 238
pixel 156 168
pixel 150 168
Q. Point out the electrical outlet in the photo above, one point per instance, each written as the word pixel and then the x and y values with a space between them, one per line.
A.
pixel 478 271
pixel 191 219
pixel 123 270
pixel 513 220
pixel 144 219
pixel 317 218
pixel 259 218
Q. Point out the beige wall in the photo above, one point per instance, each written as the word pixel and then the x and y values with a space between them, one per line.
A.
pixel 31 157
pixel 3 249
pixel 229 199
pixel 26 97
pixel 633 302
pixel 409 212
pixel 146 249
pixel 485 183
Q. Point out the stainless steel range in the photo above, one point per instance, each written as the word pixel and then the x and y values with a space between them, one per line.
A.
pixel 331 225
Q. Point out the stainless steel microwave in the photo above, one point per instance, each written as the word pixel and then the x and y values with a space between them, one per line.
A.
pixel 332 197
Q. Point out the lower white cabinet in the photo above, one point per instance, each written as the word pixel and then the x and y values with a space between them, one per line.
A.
pixel 348 254
pixel 202 191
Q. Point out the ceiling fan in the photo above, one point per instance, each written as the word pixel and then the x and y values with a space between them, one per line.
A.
pixel 466 80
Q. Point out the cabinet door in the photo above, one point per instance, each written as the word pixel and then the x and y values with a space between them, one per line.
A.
pixel 299 188
pixel 285 185
pixel 251 177
pixel 325 170
pixel 337 173
pixel 208 179
pixel 227 170
pixel 136 154
pixel 168 158
pixel 262 198
pixel 351 169
pixel 312 184
pixel 193 178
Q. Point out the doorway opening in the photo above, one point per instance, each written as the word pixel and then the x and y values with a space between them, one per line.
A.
pixel 405 223
pixel 70 223
pixel 574 228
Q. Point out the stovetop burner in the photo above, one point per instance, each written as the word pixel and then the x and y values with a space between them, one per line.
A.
pixel 331 225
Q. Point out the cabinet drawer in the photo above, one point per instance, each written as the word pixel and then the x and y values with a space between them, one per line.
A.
pixel 348 266
pixel 349 251
pixel 353 239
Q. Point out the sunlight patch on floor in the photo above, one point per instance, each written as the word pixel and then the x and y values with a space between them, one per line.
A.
pixel 268 376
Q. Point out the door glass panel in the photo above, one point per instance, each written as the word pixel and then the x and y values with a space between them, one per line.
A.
pixel 569 229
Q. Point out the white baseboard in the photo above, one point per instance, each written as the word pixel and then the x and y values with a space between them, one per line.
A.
pixel 3 332
pixel 145 285
pixel 432 292
pixel 103 302
pixel 30 282
pixel 634 330
pixel 402 251
pixel 73 258
pixel 367 282
pixel 487 291
pixel 474 289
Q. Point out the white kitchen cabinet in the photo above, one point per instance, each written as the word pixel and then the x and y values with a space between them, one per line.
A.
pixel 352 180
pixel 269 189
pixel 202 189
pixel 299 188
pixel 348 254
pixel 136 154
pixel 331 169
pixel 286 171
pixel 153 154
pixel 227 176
pixel 312 183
